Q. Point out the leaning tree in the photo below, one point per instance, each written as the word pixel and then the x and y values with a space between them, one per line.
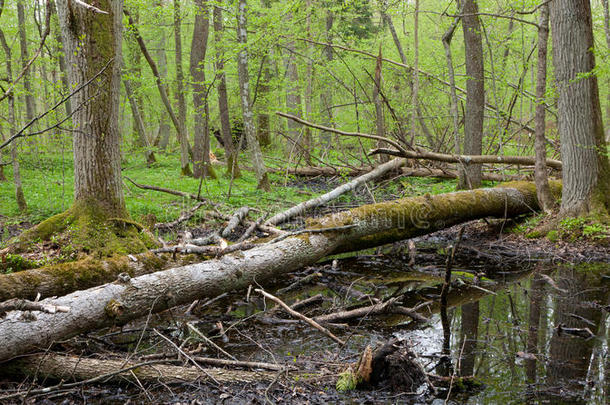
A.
pixel 586 170
pixel 98 219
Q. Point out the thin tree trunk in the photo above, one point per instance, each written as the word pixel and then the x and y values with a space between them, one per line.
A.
pixel 607 32
pixel 586 175
pixel 244 92
pixel 293 96
pixel 63 69
pixel 415 93
pixel 19 195
pixel 379 117
pixel 447 37
pixel 120 302
pixel 139 124
pixel 309 77
pixel 182 138
pixel 475 93
pixel 180 99
pixel 542 182
pixel 164 127
pixel 30 106
pixel 326 94
pixel 202 166
pixel 223 100
pixel 134 69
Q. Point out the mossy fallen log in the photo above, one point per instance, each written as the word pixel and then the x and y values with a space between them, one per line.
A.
pixel 64 278
pixel 122 301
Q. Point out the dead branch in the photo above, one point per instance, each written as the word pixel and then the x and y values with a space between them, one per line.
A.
pixel 235 220
pixel 315 202
pixel 185 216
pixel 420 153
pixel 300 316
pixel 17 304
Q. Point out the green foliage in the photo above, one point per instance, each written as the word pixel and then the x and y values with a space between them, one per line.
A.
pixel 347 381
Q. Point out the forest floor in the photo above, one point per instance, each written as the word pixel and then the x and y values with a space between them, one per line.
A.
pixel 494 251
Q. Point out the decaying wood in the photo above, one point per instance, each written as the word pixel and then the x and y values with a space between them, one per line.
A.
pixel 122 301
pixel 73 368
pixel 331 195
pixel 420 153
pixel 387 307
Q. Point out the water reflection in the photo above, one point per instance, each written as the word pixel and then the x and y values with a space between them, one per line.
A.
pixel 514 343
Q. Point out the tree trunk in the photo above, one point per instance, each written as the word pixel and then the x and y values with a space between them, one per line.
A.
pixel 309 78
pixel 586 174
pixel 607 32
pixel 469 334
pixel 367 226
pixel 326 94
pixel 93 44
pixel 202 166
pixel 30 106
pixel 475 93
pixel 447 37
pixel 164 127
pixel 180 99
pixel 415 93
pixel 542 182
pixel 293 98
pixel 379 117
pixel 19 196
pixel 244 92
pixel 139 124
pixel 63 69
pixel 223 100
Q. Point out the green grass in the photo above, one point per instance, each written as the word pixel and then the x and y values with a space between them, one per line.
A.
pixel 48 186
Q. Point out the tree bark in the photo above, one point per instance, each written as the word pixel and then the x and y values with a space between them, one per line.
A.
pixel 293 98
pixel 244 92
pixel 202 167
pixel 379 117
pixel 542 182
pixel 180 99
pixel 223 101
pixel 586 175
pixel 607 32
pixel 475 93
pixel 92 43
pixel 371 225
pixel 30 106
pixel 164 127
pixel 447 37
pixel 326 95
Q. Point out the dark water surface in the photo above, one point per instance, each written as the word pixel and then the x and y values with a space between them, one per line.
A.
pixel 505 330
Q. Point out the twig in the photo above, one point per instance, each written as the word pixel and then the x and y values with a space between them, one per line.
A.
pixel 89 7
pixel 208 341
pixel 300 316
pixel 185 216
pixel 445 293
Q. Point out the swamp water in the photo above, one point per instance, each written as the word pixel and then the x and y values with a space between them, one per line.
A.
pixel 529 332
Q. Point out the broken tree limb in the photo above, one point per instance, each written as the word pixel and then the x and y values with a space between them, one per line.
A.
pixel 122 301
pixel 420 153
pixel 300 316
pixel 235 220
pixel 344 188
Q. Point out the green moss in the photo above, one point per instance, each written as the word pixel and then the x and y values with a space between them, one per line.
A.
pixel 11 263
pixel 553 235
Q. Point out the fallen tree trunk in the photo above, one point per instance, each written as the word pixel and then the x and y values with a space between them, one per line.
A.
pixel 75 368
pixel 373 225
pixel 449 173
pixel 64 278
pixel 420 153
pixel 331 195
